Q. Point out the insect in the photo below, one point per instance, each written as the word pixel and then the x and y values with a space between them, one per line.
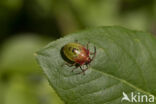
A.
pixel 75 54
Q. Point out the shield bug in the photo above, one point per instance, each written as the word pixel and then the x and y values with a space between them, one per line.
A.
pixel 75 54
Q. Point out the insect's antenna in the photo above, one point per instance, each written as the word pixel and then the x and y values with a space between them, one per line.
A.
pixel 94 53
pixel 88 45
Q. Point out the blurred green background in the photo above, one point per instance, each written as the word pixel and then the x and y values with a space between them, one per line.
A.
pixel 28 25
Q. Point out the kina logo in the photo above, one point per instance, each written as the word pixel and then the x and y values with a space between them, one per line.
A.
pixel 137 97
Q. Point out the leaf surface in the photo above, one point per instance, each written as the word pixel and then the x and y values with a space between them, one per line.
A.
pixel 125 62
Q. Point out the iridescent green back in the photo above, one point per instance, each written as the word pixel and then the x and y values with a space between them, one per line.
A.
pixel 68 50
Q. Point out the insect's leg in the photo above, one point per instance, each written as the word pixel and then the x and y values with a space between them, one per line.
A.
pixel 83 70
pixel 87 46
pixel 74 68
pixel 94 54
pixel 87 65
pixel 68 64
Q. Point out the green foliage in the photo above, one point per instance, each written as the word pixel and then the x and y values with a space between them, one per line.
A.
pixel 125 61
pixel 21 80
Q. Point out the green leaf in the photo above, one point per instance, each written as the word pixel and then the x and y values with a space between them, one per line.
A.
pixel 125 62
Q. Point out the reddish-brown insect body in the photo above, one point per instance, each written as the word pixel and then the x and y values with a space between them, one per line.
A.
pixel 83 57
pixel 77 55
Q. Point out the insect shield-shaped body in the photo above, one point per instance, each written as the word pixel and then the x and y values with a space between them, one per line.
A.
pixel 77 55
